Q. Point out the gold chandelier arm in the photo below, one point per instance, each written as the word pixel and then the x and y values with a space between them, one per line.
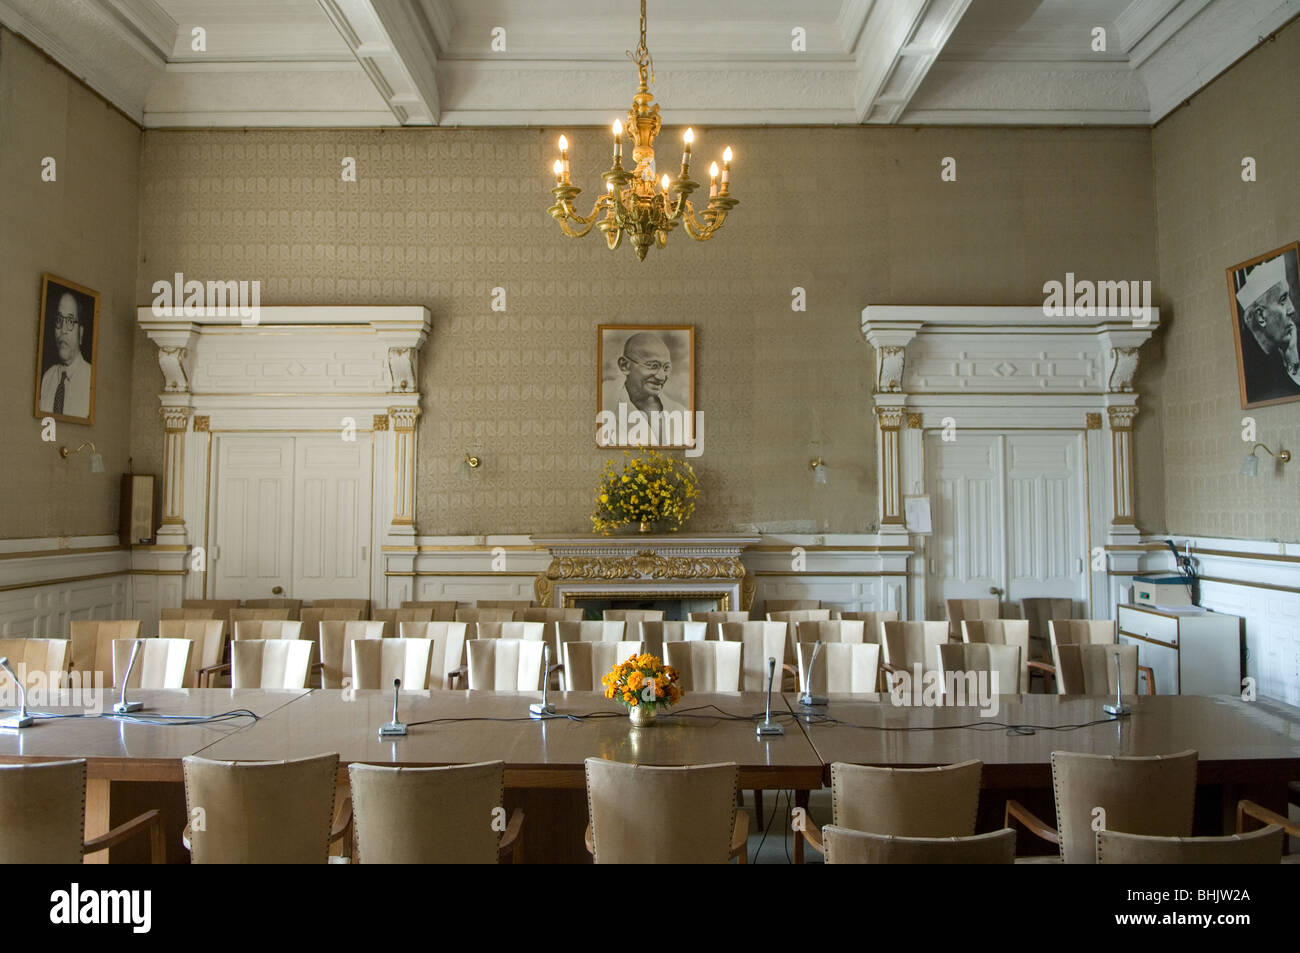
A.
pixel 697 231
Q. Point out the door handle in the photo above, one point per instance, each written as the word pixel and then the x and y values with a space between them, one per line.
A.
pixel 277 590
pixel 363 554
pixel 994 591
pixel 1079 564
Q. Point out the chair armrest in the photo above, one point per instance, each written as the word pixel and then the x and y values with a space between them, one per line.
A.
pixel 150 821
pixel 789 669
pixel 812 836
pixel 343 828
pixel 1031 821
pixel 511 840
pixel 204 675
pixel 1266 817
pixel 740 838
pixel 1047 668
pixel 1151 678
pixel 891 669
pixel 461 673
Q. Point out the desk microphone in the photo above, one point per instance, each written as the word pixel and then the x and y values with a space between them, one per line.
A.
pixel 1119 709
pixel 394 727
pixel 123 706
pixel 767 726
pixel 808 699
pixel 543 708
pixel 21 719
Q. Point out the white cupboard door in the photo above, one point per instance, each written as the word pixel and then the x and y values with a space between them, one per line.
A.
pixel 253 517
pixel 332 517
pixel 966 555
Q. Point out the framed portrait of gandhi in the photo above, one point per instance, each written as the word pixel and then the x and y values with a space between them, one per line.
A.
pixel 67 338
pixel 1262 296
pixel 645 387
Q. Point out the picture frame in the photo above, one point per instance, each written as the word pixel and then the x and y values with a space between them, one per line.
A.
pixel 1262 295
pixel 67 345
pixel 638 404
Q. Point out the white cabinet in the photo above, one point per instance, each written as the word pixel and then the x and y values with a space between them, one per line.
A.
pixel 1191 651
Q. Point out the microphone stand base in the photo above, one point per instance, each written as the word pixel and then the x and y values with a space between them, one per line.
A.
pixel 125 708
pixel 538 710
pixel 811 701
pixel 769 728
pixel 1117 711
pixel 393 728
pixel 16 721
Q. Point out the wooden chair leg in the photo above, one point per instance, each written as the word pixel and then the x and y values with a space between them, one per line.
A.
pixel 758 808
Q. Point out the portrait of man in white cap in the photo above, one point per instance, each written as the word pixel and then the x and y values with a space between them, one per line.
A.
pixel 647 372
pixel 1267 334
pixel 66 381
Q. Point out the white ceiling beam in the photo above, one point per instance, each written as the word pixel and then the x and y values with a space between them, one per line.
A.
pixel 395 45
pixel 900 42
pixel 1146 25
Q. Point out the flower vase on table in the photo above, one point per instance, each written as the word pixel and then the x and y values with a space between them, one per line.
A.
pixel 643 685
pixel 651 489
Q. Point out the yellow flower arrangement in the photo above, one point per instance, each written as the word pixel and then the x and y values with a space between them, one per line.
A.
pixel 653 488
pixel 642 680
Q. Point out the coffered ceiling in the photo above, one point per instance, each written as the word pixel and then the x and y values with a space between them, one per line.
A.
pixel 544 62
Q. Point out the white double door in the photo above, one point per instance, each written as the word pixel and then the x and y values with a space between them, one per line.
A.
pixel 291 517
pixel 1009 514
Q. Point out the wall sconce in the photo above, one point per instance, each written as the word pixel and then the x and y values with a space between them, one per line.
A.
pixel 1250 465
pixel 818 467
pixel 468 464
pixel 96 459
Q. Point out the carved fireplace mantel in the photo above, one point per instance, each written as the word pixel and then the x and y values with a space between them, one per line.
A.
pixel 673 566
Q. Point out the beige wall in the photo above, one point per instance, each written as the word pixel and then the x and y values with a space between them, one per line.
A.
pixel 1208 220
pixel 83 227
pixel 441 217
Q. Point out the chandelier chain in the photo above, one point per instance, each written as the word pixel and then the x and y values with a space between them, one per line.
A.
pixel 642 57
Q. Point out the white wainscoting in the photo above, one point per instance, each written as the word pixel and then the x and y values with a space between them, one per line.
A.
pixel 46 583
pixel 1258 580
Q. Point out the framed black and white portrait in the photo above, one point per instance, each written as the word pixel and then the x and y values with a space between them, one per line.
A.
pixel 1262 294
pixel 66 342
pixel 645 386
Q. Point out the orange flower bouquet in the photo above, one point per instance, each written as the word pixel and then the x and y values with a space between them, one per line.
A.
pixel 642 685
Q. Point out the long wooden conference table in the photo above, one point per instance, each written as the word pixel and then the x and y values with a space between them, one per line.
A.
pixel 1245 749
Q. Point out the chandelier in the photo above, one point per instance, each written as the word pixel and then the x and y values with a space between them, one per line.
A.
pixel 634 204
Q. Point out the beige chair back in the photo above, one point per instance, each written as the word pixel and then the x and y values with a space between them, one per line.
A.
pixel 832 630
pixel 255 615
pixel 208 636
pixel 505 665
pixel 852 667
pixel 844 846
pixel 715 618
pixel 271 812
pixel 42 812
pixel 633 615
pixel 528 631
pixel 519 604
pixel 1139 795
pixel 792 618
pixel 335 649
pixel 448 652
pixel 270 663
pixel 92 644
pixel 589 631
pixel 1263 846
pixel 268 629
pixel 490 614
pixel 1002 632
pixel 312 618
pixel 959 609
pixel 907 802
pixel 162 663
pixel 904 644
pixel 1090 669
pixel 871 622
pixel 691 810
pixel 1038 611
pixel 219 608
pixel 392 618
pixel 963 663
pixel 37 662
pixel 392 822
pixel 444 610
pixel 534 614
pixel 1081 631
pixel 706 666
pixel 585 663
pixel 173 615
pixel 786 605
pixel 655 633
pixel 377 662
pixel 362 604
pixel 293 605
pixel 759 642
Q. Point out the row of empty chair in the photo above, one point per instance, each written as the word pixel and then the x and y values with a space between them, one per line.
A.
pixel 879 815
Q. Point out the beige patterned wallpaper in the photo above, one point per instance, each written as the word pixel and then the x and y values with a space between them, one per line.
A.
pixel 82 226
pixel 1209 219
pixel 441 217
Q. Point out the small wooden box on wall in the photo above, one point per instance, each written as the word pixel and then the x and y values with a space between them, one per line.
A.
pixel 137 522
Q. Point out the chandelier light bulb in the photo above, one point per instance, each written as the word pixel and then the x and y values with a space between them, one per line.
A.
pixel 664 181
pixel 564 145
pixel 689 137
pixel 558 168
pixel 618 128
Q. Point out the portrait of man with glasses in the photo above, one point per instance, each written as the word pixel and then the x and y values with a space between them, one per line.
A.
pixel 65 385
pixel 647 371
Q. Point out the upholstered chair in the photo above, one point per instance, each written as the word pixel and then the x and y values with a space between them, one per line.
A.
pixel 270 663
pixel 1002 632
pixel 161 663
pixel 510 665
pixel 376 662
pixel 585 663
pixel 845 846
pixel 446 658
pixel 335 648
pixel 705 666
